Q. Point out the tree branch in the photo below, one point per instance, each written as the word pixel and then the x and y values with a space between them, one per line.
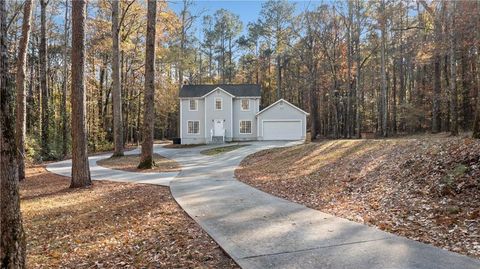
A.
pixel 124 14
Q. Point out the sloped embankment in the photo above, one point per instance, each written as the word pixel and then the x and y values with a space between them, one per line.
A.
pixel 426 189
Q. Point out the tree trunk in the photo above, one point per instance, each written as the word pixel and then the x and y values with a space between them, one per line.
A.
pixel 349 118
pixel 279 77
pixel 402 90
pixel 146 161
pixel 12 240
pixel 466 110
pixel 65 86
pixel 394 101
pixel 101 82
pixel 453 75
pixel 476 122
pixel 358 102
pixel 230 59
pixel 30 96
pixel 116 93
pixel 383 101
pixel 80 167
pixel 43 79
pixel 436 95
pixel 20 125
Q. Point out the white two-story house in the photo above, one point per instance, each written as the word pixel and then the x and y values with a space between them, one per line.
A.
pixel 231 112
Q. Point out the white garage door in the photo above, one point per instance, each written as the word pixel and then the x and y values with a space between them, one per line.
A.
pixel 282 130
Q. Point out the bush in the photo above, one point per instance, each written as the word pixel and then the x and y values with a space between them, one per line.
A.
pixel 33 150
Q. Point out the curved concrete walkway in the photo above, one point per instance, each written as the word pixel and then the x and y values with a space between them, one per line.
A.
pixel 259 230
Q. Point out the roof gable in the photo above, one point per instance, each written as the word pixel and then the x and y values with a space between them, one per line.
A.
pixel 284 101
pixel 214 90
pixel 236 90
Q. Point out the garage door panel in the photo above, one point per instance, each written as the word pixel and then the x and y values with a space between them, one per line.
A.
pixel 282 130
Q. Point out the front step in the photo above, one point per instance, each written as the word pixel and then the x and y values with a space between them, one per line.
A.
pixel 217 140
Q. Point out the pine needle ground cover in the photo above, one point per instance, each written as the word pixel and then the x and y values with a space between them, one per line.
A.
pixel 110 225
pixel 130 163
pixel 426 189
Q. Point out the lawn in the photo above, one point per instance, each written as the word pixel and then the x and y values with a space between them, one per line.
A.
pixel 426 189
pixel 130 163
pixel 219 150
pixel 110 225
pixel 182 146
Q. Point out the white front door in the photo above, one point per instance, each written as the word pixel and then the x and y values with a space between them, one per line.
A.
pixel 218 127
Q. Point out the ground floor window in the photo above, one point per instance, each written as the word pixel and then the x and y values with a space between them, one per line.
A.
pixel 193 127
pixel 245 127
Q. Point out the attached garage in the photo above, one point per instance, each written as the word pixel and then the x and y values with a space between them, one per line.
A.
pixel 282 121
pixel 282 130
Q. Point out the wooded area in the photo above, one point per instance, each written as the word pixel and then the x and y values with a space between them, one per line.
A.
pixel 386 67
pixel 91 76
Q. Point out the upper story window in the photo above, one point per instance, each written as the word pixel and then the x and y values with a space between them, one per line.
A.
pixel 193 105
pixel 218 103
pixel 245 103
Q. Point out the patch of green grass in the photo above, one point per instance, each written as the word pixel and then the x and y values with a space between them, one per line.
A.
pixel 220 150
pixel 182 146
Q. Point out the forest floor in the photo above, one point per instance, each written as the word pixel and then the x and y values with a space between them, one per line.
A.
pixel 424 188
pixel 130 163
pixel 110 225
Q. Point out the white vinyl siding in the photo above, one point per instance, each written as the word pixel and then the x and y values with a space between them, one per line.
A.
pixel 245 104
pixel 193 105
pixel 218 103
pixel 245 127
pixel 193 127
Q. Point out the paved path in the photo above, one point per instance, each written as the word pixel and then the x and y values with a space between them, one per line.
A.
pixel 259 230
pixel 97 172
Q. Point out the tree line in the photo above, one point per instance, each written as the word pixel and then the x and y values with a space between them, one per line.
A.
pixel 388 67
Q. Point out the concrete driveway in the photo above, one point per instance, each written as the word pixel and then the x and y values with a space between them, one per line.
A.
pixel 259 230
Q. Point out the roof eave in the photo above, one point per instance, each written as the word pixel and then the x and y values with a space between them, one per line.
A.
pixel 217 88
pixel 292 105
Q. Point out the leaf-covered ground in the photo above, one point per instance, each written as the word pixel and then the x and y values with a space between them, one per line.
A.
pixel 130 163
pixel 426 189
pixel 110 225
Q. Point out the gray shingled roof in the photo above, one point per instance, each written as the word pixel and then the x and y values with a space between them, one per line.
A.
pixel 233 89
